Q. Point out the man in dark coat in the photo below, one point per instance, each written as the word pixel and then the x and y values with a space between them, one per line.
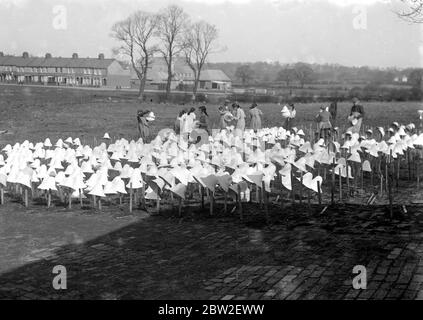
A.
pixel 333 109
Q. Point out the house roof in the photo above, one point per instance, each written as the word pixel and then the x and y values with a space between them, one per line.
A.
pixel 56 62
pixel 214 75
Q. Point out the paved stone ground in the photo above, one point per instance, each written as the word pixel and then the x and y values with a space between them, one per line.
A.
pixel 301 254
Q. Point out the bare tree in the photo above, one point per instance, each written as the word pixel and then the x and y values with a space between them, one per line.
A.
pixel 199 40
pixel 172 24
pixel 136 34
pixel 288 75
pixel 413 12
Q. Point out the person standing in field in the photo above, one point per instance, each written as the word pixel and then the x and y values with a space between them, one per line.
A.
pixel 333 110
pixel 291 118
pixel 189 122
pixel 356 116
pixel 324 123
pixel 225 117
pixel 255 116
pixel 179 122
pixel 144 118
pixel 203 121
pixel 285 115
pixel 239 116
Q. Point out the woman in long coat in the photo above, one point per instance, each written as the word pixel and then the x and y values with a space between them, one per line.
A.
pixel 144 117
pixel 239 117
pixel 255 115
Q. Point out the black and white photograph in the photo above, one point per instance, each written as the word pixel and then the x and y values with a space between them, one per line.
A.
pixel 218 152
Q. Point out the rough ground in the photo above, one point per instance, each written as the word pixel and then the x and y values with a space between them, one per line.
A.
pixel 300 254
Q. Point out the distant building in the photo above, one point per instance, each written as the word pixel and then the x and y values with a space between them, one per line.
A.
pixel 75 71
pixel 401 78
pixel 183 77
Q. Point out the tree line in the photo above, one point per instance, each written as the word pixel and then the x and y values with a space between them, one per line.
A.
pixel 169 33
pixel 299 74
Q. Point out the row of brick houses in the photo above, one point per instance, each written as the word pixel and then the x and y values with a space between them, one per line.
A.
pixel 102 72
pixel 75 71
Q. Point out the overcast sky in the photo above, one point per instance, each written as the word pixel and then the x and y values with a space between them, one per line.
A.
pixel 348 32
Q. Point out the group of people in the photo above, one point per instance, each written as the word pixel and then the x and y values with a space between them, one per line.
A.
pixel 327 116
pixel 235 117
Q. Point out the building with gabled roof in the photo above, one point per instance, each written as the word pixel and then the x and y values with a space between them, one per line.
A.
pixel 75 71
pixel 183 77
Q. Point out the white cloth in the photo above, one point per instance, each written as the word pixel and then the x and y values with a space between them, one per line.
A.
pixel 189 122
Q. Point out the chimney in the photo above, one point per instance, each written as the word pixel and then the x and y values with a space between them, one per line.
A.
pixel 75 56
pixel 25 55
pixel 101 56
pixel 48 55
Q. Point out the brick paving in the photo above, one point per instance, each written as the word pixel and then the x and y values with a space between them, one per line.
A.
pixel 301 254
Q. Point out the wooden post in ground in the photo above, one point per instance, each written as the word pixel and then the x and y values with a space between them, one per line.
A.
pixel 266 201
pixel 48 198
pixel 292 189
pixel 340 185
pixel 202 197
pixel 398 171
pixel 240 203
pixel 390 180
pixel 332 184
pixel 309 200
pixel 301 188
pixel 1 195
pixel 319 193
pixel 225 202
pixel 80 197
pixel 211 202
pixel 180 207
pixel 26 197
pixel 130 198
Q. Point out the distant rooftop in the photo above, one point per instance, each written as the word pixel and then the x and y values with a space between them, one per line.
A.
pixel 49 61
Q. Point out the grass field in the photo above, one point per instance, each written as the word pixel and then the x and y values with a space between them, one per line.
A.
pixel 35 113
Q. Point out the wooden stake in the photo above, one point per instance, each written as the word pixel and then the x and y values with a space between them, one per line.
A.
pixel 211 193
pixel 26 197
pixel 332 184
pixel 180 207
pixel 225 203
pixel 1 195
pixel 80 197
pixel 48 198
pixel 99 203
pixel 319 193
pixel 266 201
pixel 301 188
pixel 240 203
pixel 202 197
pixel 340 185
pixel 70 199
pixel 381 184
pixel 390 180
pixel 130 198
pixel 143 197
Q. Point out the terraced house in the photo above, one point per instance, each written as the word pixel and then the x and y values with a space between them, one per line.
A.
pixel 75 71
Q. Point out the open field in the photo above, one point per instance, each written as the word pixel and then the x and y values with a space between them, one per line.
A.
pixel 37 113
